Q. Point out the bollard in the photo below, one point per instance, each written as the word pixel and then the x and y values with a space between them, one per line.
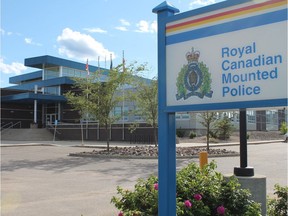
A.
pixel 203 158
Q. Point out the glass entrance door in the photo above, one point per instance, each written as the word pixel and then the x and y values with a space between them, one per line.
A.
pixel 50 118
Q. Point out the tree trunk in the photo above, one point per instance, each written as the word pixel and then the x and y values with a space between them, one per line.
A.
pixel 107 137
pixel 155 135
pixel 207 136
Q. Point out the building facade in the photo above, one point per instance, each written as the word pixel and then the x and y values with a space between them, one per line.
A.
pixel 36 99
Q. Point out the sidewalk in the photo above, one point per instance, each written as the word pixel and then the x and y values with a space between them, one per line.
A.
pixel 43 180
pixel 103 144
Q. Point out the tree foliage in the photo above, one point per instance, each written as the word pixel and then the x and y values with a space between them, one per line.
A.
pixel 208 121
pixel 278 206
pixel 145 97
pixel 100 93
pixel 224 128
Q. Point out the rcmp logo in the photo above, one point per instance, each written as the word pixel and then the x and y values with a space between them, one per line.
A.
pixel 194 78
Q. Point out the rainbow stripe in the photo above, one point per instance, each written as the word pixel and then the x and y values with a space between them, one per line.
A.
pixel 244 11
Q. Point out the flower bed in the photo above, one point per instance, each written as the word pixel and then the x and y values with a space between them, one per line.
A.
pixel 200 192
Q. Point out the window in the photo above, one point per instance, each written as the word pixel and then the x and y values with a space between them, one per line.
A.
pixel 70 72
pixel 54 90
pixel 50 73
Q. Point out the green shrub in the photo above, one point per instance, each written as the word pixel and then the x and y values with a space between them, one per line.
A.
pixel 224 128
pixel 180 133
pixel 192 135
pixel 278 206
pixel 283 128
pixel 200 192
pixel 213 134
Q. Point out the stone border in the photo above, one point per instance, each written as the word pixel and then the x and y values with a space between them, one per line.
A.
pixel 146 157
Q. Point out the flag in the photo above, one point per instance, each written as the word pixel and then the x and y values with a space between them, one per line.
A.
pixel 87 68
pixel 123 62
pixel 111 64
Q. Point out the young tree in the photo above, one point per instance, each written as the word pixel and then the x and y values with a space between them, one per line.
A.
pixel 98 96
pixel 208 120
pixel 145 96
pixel 224 128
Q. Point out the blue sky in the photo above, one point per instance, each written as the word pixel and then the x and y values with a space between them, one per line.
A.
pixel 81 30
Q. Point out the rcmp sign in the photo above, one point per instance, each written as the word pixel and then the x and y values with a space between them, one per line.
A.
pixel 230 58
pixel 194 78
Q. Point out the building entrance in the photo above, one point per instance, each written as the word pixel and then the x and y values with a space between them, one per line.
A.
pixel 50 118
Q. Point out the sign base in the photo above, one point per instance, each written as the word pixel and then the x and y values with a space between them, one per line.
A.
pixel 246 171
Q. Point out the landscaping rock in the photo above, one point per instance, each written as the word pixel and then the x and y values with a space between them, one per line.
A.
pixel 152 151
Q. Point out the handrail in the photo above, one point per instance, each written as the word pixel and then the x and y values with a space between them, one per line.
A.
pixel 10 125
pixel 20 124
pixel 53 128
pixel 6 126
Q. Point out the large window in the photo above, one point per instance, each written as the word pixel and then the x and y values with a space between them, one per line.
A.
pixel 271 120
pixel 182 116
pixel 251 116
pixel 50 73
pixel 70 72
pixel 118 112
pixel 52 90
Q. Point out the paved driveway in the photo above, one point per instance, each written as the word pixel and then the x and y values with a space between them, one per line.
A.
pixel 44 181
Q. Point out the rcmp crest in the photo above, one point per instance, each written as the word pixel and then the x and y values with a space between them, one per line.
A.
pixel 194 78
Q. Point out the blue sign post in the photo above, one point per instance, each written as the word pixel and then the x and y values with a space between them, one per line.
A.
pixel 223 56
pixel 166 126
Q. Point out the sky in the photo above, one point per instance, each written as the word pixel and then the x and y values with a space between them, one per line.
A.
pixel 81 30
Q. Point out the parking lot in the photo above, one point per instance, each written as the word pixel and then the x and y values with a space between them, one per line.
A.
pixel 44 180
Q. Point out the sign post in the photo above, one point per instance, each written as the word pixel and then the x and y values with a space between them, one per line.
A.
pixel 244 169
pixel 166 124
pixel 227 56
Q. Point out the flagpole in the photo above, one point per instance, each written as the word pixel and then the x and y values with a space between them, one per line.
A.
pixel 123 101
pixel 88 73
pixel 98 133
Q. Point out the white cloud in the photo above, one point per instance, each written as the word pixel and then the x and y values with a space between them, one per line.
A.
pixel 146 27
pixel 200 3
pixel 95 30
pixel 14 68
pixel 74 44
pixel 3 32
pixel 124 22
pixel 31 42
pixel 154 26
pixel 121 28
pixel 28 40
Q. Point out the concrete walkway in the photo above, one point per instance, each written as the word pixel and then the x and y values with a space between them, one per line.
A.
pixel 40 179
pixel 103 144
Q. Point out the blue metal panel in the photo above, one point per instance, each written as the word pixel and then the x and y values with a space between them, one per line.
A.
pixel 25 77
pixel 29 97
pixel 51 61
pixel 43 83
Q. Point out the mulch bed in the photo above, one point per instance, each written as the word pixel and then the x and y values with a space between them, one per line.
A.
pixel 151 151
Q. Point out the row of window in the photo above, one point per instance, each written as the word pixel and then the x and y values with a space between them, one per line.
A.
pixel 271 116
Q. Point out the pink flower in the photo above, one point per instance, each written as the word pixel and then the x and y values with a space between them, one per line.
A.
pixel 120 214
pixel 221 210
pixel 197 197
pixel 156 186
pixel 188 204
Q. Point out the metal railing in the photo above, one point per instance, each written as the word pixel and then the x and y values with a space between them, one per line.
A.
pixel 11 125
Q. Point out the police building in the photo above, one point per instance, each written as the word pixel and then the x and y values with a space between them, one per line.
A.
pixel 36 100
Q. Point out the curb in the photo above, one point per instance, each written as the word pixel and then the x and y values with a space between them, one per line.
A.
pixel 146 157
pixel 212 145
